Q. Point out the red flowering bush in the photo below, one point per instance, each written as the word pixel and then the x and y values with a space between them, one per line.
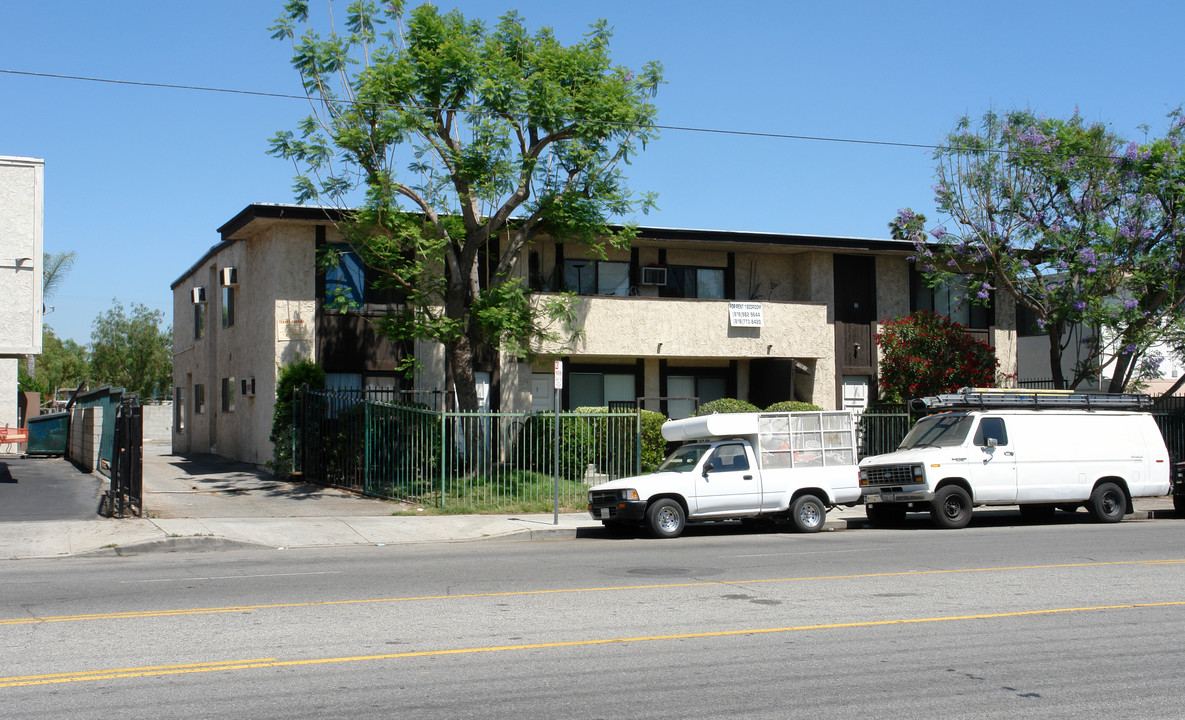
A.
pixel 927 353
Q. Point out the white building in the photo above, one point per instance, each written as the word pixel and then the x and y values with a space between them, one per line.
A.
pixel 21 265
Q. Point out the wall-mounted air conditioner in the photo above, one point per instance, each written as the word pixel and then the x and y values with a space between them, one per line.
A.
pixel 248 387
pixel 654 276
pixel 199 295
pixel 229 276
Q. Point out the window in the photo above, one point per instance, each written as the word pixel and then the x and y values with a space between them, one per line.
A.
pixel 689 388
pixel 199 321
pixel 228 394
pixel 345 282
pixel 694 282
pixel 594 389
pixel 228 306
pixel 991 429
pixel 597 277
pixel 178 409
pixel 729 458
pixel 199 399
pixel 951 300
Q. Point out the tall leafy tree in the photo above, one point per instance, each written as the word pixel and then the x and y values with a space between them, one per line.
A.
pixel 62 364
pixel 457 144
pixel 132 351
pixel 1074 223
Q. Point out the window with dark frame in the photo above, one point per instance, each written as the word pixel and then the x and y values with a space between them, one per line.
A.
pixel 228 394
pixel 228 306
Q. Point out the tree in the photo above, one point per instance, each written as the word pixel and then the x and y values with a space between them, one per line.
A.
pixel 132 352
pixel 1068 220
pixel 486 136
pixel 61 364
pixel 54 271
pixel 292 376
pixel 927 353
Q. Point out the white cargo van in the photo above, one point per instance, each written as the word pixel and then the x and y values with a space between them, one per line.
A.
pixel 792 465
pixel 1039 450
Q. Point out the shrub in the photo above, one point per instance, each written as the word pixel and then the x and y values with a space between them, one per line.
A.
pixel 927 353
pixel 792 406
pixel 726 405
pixel 654 445
pixel 292 375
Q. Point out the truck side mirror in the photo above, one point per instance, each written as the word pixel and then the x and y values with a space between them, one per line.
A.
pixel 992 442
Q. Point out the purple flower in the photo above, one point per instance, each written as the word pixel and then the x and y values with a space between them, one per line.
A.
pixel 1079 305
pixel 983 294
pixel 1131 303
pixel 938 233
pixel 1132 151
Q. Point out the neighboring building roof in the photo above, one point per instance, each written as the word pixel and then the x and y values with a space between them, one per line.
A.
pixel 231 232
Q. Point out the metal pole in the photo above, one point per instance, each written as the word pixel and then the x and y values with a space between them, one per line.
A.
pixel 556 460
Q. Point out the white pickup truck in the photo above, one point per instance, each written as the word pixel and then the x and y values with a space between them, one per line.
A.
pixel 792 465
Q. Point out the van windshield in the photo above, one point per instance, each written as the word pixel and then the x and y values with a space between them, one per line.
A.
pixel 684 459
pixel 945 430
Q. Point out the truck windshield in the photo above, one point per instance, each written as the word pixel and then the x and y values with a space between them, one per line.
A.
pixel 946 430
pixel 684 459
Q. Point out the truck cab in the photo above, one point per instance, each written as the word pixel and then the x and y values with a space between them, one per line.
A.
pixel 784 466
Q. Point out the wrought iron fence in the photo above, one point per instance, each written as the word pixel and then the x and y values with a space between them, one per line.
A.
pixel 463 461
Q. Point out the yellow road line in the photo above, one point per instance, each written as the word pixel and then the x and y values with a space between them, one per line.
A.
pixel 159 670
pixel 558 591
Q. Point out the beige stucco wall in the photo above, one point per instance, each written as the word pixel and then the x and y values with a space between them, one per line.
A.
pixel 21 255
pixel 668 327
pixel 21 266
pixel 275 311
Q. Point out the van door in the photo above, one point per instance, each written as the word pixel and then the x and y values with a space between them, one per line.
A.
pixel 733 484
pixel 992 463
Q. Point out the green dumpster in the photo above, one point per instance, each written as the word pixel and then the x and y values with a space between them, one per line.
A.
pixel 48 434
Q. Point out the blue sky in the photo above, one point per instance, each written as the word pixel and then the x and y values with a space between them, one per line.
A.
pixel 138 179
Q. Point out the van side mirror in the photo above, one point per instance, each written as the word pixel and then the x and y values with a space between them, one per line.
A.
pixel 708 467
pixel 992 442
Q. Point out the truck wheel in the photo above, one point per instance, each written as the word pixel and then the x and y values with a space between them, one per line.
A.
pixel 885 514
pixel 665 518
pixel 1107 503
pixel 808 514
pixel 951 508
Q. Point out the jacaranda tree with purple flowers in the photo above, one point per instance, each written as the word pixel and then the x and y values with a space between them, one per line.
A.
pixel 1071 221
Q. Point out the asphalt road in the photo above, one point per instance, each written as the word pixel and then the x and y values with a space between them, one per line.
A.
pixel 1058 620
pixel 48 489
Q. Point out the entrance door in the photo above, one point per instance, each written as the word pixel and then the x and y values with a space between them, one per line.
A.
pixel 855 313
pixel 855 393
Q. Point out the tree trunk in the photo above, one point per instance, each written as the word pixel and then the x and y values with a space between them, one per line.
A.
pixel 1055 355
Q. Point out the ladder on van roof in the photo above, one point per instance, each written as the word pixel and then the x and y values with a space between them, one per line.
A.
pixel 990 399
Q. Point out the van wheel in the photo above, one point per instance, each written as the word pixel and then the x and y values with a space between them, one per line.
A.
pixel 885 514
pixel 808 514
pixel 1107 503
pixel 665 518
pixel 951 508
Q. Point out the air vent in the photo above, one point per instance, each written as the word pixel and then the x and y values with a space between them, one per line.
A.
pixel 199 295
pixel 654 276
pixel 229 276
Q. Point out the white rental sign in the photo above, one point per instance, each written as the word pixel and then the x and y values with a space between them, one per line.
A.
pixel 745 314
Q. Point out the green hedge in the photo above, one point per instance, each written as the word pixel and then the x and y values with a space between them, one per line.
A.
pixel 792 406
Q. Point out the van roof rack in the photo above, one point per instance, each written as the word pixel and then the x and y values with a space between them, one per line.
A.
pixel 988 399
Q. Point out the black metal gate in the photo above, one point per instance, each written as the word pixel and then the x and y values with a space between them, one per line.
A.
pixel 126 496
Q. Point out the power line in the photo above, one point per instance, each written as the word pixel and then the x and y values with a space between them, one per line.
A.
pixel 287 96
pixel 676 128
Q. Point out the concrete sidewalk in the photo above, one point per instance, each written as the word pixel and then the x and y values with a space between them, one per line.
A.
pixel 205 502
